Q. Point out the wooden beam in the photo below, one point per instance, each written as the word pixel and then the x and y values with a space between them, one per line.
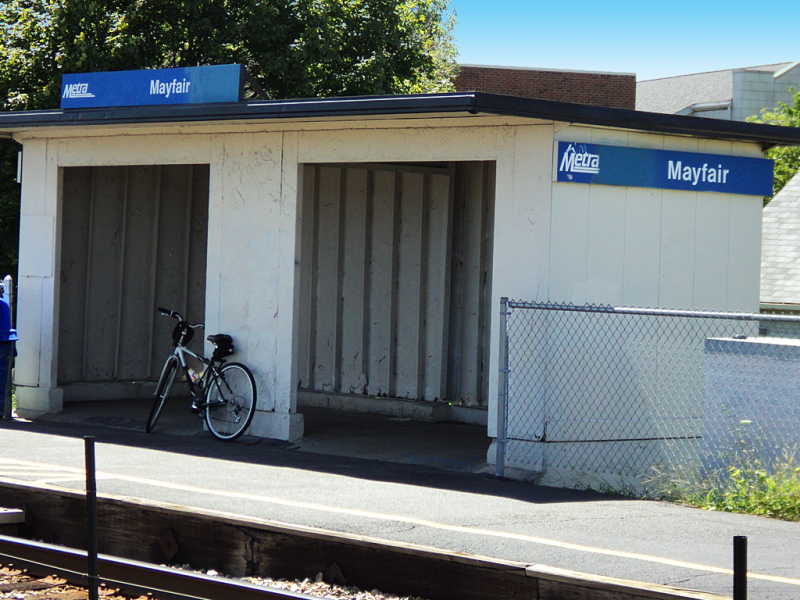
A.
pixel 134 529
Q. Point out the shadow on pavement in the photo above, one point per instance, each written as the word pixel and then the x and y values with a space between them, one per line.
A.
pixel 441 455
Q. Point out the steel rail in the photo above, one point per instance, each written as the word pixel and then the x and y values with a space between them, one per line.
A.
pixel 130 576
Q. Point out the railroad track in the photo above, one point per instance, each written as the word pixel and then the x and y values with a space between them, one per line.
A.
pixel 130 577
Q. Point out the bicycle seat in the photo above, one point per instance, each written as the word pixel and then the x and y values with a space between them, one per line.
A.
pixel 223 345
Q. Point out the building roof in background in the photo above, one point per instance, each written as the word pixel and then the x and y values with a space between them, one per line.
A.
pixel 780 247
pixel 673 94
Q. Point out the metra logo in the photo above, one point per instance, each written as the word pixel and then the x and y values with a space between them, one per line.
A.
pixel 77 90
pixel 167 88
pixel 579 160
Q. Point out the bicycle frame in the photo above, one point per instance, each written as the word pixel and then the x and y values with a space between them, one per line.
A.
pixel 198 388
pixel 180 353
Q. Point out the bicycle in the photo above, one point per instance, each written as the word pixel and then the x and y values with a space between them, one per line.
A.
pixel 224 393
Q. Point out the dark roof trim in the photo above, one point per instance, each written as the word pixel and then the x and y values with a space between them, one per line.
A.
pixel 768 135
pixel 467 102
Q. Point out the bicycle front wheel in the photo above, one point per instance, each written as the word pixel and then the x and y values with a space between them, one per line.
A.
pixel 230 401
pixel 162 391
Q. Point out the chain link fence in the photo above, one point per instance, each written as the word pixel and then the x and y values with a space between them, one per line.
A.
pixel 606 396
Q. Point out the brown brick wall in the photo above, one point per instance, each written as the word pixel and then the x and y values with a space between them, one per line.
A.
pixel 600 89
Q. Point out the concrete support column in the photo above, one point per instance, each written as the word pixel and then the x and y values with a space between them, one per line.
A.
pixel 521 256
pixel 251 268
pixel 37 300
pixel 285 422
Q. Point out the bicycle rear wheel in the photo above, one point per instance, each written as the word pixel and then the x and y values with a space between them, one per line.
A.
pixel 162 391
pixel 230 401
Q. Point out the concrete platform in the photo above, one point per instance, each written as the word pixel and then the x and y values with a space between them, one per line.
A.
pixel 320 486
pixel 443 445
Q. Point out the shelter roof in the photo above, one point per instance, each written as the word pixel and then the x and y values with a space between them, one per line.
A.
pixel 422 105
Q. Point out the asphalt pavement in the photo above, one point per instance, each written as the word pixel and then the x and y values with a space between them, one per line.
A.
pixel 399 480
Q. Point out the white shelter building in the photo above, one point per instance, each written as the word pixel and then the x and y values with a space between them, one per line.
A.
pixel 355 248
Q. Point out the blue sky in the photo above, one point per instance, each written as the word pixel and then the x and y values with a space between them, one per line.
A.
pixel 650 38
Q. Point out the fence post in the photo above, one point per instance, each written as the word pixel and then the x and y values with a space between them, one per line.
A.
pixel 502 392
pixel 740 567
pixel 91 517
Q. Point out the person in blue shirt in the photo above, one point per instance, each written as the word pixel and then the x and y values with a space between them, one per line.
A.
pixel 8 350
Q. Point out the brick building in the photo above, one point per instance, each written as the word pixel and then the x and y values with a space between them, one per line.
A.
pixel 614 90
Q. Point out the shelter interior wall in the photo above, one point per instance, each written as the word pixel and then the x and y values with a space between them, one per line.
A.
pixel 394 280
pixel 133 238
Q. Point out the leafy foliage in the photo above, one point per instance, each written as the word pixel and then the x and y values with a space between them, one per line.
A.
pixel 9 208
pixel 787 158
pixel 293 48
pixel 753 479
pixel 752 489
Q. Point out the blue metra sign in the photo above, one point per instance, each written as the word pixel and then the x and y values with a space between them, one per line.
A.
pixel 190 85
pixel 664 169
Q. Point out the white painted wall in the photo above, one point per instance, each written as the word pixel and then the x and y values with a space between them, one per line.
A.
pixel 654 248
pixel 638 247
pixel 250 274
pixel 37 287
pixel 253 235
pixel 555 242
pixel 757 90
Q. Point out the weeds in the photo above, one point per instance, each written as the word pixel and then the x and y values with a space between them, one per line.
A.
pixel 754 490
pixel 748 486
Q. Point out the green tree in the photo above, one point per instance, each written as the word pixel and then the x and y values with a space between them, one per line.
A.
pixel 293 48
pixel 9 209
pixel 787 158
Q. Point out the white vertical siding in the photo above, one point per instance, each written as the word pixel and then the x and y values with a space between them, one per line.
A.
pixel 650 247
pixel 382 273
pixel 437 298
pixel 133 238
pixel 676 269
pixel 394 290
pixel 744 252
pixel 711 251
pixel 352 261
pixel 641 263
pixel 570 243
pixel 375 280
pixel 410 290
pixel 605 245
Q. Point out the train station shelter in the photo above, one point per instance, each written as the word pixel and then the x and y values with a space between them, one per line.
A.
pixel 357 248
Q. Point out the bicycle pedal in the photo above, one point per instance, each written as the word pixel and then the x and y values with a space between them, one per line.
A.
pixel 198 410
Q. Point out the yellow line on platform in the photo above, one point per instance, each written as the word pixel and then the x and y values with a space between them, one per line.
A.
pixel 431 524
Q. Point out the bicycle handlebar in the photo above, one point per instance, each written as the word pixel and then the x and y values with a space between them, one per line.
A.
pixel 171 313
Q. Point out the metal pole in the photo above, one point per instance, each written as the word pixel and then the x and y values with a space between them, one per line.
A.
pixel 91 515
pixel 740 567
pixel 502 392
